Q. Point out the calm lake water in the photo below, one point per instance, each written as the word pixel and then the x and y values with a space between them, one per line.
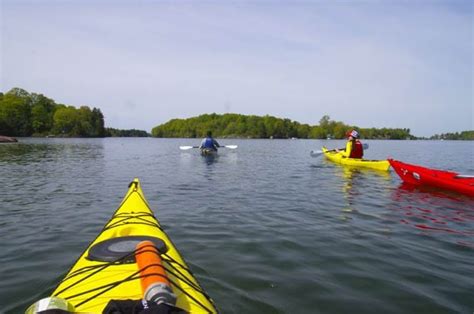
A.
pixel 266 228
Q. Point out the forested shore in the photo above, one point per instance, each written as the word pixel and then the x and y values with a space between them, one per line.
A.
pixel 31 114
pixel 111 132
pixel 233 125
pixel 464 136
pixel 249 126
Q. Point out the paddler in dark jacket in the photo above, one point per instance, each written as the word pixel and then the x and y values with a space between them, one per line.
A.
pixel 209 143
pixel 354 147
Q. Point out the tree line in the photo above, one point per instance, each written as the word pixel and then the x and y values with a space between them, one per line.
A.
pixel 30 114
pixel 111 132
pixel 250 126
pixel 465 136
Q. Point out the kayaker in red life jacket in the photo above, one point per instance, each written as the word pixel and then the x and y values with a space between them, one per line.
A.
pixel 354 147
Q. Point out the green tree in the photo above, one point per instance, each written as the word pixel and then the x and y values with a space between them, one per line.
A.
pixel 42 111
pixel 66 120
pixel 97 122
pixel 15 115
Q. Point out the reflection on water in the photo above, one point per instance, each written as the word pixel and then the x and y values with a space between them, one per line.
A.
pixel 44 161
pixel 27 153
pixel 435 212
pixel 209 159
pixel 355 182
pixel 350 187
pixel 43 150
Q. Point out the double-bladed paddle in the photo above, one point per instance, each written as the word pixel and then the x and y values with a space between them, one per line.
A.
pixel 189 147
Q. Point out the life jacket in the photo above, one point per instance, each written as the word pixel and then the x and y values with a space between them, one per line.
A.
pixel 209 143
pixel 357 150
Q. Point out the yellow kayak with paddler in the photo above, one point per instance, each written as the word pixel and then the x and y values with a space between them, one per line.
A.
pixel 131 259
pixel 337 157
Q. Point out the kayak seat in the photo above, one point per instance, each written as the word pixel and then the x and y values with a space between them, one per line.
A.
pixel 121 249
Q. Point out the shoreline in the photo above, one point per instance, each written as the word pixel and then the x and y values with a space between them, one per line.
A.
pixel 7 139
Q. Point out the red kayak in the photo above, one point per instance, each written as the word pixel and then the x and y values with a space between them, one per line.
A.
pixel 448 180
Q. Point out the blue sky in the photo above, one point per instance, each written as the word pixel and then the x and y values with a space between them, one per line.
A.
pixel 405 64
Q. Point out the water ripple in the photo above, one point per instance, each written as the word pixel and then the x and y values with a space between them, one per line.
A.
pixel 265 228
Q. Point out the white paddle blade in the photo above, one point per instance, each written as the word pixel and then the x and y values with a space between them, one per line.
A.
pixel 231 146
pixel 316 153
pixel 185 147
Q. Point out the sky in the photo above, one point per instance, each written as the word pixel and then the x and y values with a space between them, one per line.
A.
pixel 393 63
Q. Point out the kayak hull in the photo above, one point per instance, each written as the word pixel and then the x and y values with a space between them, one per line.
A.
pixel 422 176
pixel 382 165
pixel 91 283
pixel 208 152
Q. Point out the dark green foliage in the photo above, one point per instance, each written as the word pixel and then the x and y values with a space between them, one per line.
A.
pixel 388 134
pixel 97 122
pixel 110 132
pixel 232 125
pixel 465 135
pixel 42 111
pixel 15 115
pixel 236 125
pixel 25 114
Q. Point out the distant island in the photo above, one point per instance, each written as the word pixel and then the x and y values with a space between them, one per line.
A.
pixel 233 125
pixel 30 114
pixel 249 126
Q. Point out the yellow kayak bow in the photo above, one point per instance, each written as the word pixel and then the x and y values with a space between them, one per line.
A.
pixel 107 269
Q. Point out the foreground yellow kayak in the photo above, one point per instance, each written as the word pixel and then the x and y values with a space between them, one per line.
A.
pixel 337 157
pixel 107 270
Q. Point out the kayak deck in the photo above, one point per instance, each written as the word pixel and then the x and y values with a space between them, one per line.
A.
pixel 337 157
pixel 90 284
pixel 417 175
pixel 208 152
